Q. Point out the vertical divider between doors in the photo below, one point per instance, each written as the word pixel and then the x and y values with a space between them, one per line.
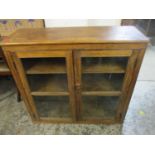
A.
pixel 70 77
pixel 77 73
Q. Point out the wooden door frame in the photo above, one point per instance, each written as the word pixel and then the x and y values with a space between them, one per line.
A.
pixel 126 83
pixel 22 76
pixel 67 54
pixel 78 54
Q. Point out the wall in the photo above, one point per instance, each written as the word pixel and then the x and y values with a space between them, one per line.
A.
pixel 103 22
pixel 65 22
pixel 81 22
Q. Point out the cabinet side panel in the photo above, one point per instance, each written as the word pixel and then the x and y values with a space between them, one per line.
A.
pixel 131 81
pixel 17 80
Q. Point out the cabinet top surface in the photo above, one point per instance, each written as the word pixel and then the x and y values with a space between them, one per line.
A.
pixel 73 35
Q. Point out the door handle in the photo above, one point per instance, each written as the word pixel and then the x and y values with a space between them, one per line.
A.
pixel 78 87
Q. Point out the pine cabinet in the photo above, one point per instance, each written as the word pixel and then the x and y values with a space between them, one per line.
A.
pixel 76 75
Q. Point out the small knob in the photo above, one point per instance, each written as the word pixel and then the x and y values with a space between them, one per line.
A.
pixel 78 87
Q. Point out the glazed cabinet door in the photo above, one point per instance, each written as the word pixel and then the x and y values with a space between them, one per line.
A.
pixel 47 78
pixel 100 80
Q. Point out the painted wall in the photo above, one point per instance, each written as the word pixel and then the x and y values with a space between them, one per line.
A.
pixel 81 22
pixel 103 22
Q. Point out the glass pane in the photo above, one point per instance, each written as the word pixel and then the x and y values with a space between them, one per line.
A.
pixel 99 107
pixel 56 107
pixel 48 83
pixel 46 76
pixel 104 65
pixel 47 79
pixel 44 65
pixel 102 82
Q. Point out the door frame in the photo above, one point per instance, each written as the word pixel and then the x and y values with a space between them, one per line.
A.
pixel 78 55
pixel 67 54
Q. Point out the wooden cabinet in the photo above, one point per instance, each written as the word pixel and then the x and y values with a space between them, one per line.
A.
pixel 76 75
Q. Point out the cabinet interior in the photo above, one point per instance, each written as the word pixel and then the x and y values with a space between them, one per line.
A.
pixel 104 64
pixel 44 65
pixel 53 107
pixel 99 107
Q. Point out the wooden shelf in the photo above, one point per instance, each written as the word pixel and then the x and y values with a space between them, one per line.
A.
pixel 4 68
pixel 102 84
pixel 48 85
pixel 55 107
pixel 99 107
pixel 104 65
pixel 45 66
pixel 101 93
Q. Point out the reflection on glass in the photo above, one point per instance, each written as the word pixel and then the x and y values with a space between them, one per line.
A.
pixel 99 107
pixel 56 107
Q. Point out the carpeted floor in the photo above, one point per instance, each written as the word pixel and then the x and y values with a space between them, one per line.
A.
pixel 139 119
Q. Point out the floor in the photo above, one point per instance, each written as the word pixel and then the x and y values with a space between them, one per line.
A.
pixel 139 119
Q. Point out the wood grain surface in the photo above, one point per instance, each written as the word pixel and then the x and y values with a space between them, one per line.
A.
pixel 70 35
